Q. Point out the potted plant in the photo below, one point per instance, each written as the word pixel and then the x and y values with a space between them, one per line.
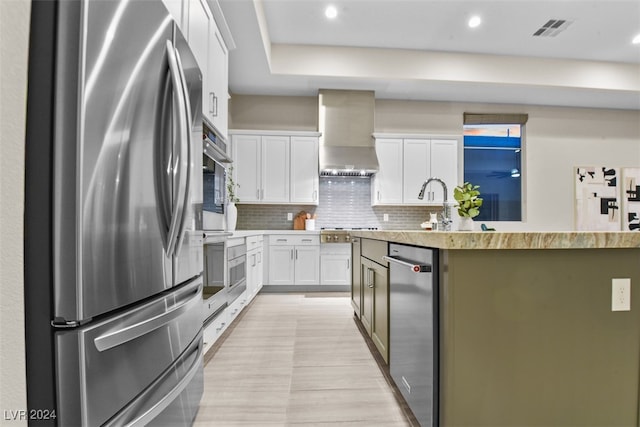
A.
pixel 232 210
pixel 469 202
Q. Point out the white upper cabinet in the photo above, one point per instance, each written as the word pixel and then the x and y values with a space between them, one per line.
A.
pixel 405 163
pixel 304 170
pixel 386 185
pixel 417 160
pixel 198 36
pixel 211 52
pixel 444 165
pixel 218 85
pixel 275 168
pixel 175 8
pixel 247 165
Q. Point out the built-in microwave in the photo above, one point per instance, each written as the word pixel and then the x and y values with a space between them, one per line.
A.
pixel 214 159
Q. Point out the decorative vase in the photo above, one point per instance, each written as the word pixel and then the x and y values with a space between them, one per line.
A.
pixel 232 216
pixel 465 224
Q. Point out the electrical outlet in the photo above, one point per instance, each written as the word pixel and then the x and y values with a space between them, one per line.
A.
pixel 620 294
pixel 289 216
pixel 385 217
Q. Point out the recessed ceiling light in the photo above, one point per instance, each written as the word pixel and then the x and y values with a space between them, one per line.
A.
pixel 474 21
pixel 331 12
pixel 636 39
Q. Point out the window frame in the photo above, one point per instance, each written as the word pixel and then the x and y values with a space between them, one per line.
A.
pixel 504 119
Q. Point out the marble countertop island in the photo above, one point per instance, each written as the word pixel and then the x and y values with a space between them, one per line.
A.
pixel 528 317
pixel 508 240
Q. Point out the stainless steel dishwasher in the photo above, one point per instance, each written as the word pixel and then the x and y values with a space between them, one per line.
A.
pixel 413 328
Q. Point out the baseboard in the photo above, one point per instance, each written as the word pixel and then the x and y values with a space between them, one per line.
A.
pixel 304 288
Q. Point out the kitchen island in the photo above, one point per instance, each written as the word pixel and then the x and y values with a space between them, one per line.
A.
pixel 527 331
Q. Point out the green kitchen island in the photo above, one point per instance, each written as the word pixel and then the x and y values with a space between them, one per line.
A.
pixel 527 332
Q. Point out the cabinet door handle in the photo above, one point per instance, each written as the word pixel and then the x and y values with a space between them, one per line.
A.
pixel 262 194
pixel 211 103
pixel 259 257
pixel 378 195
pixel 281 240
pixel 258 194
pixel 291 253
pixel 315 195
pixel 348 264
pixel 296 254
pixel 215 105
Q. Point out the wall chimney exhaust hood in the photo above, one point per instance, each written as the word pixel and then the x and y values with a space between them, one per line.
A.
pixel 345 121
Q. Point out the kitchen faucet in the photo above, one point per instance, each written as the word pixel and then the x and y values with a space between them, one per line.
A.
pixel 446 213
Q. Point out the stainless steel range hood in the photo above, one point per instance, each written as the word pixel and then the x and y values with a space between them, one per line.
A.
pixel 346 120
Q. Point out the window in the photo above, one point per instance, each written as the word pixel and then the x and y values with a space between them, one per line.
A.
pixel 493 160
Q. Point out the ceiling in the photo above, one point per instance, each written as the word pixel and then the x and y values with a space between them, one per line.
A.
pixel 424 50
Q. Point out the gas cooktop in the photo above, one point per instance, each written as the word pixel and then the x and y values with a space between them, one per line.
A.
pixel 339 235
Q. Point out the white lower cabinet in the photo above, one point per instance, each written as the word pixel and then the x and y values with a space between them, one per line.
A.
pixel 237 306
pixel 214 329
pixel 254 266
pixel 307 265
pixel 281 265
pixel 294 260
pixel 335 264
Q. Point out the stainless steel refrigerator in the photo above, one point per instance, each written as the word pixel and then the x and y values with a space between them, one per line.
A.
pixel 113 234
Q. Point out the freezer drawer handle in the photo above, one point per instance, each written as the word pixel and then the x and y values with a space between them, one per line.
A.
pixel 415 267
pixel 112 339
pixel 149 414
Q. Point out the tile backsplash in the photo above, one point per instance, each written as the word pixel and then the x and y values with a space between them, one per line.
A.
pixel 344 202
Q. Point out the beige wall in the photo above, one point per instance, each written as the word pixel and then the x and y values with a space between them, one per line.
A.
pixel 273 112
pixel 14 34
pixel 557 139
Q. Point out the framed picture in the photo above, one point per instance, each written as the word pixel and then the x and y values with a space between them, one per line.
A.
pixel 630 186
pixel 597 205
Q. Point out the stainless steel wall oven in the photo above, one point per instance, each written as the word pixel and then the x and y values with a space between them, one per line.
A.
pixel 214 159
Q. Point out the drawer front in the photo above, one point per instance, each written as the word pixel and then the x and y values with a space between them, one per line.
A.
pixel 253 242
pixel 288 239
pixel 280 240
pixel 374 250
pixel 120 345
pixel 306 240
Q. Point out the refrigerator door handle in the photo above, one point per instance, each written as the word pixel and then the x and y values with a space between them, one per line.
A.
pixel 178 200
pixel 115 338
pixel 189 154
pixel 149 410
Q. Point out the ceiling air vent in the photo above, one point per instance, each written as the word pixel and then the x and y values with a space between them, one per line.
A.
pixel 552 28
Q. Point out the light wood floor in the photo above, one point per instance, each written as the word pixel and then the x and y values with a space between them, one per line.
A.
pixel 296 360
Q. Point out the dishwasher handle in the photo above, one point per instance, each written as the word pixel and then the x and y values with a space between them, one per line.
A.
pixel 415 267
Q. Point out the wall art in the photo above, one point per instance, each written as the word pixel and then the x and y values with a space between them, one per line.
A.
pixel 630 199
pixel 597 205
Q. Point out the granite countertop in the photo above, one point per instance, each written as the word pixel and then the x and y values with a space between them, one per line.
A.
pixel 508 240
pixel 244 233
